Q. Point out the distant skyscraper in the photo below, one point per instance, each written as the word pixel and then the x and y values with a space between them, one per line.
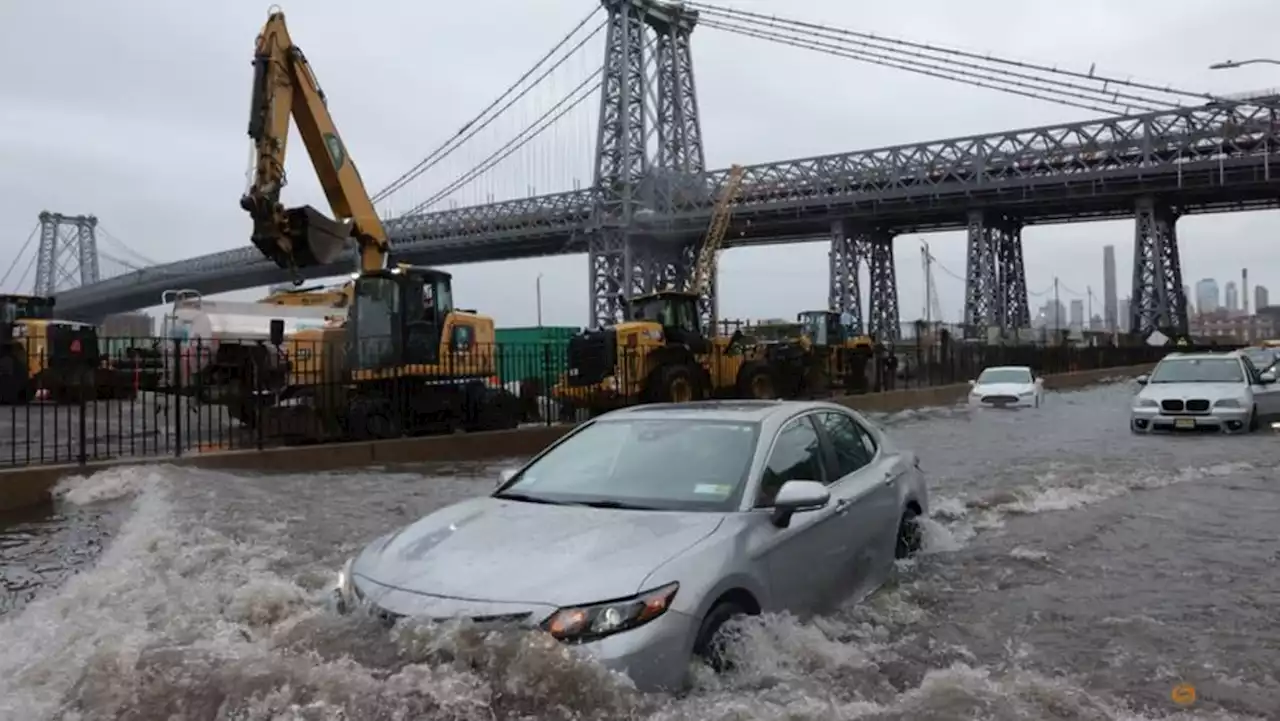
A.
pixel 1260 299
pixel 1122 316
pixel 1232 297
pixel 1109 309
pixel 1077 314
pixel 1206 296
pixel 1188 299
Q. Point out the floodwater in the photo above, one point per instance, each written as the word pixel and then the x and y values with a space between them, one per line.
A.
pixel 1073 572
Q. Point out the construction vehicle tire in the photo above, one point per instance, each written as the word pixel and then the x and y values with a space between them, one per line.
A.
pixel 672 383
pixel 15 383
pixel 755 380
pixel 373 418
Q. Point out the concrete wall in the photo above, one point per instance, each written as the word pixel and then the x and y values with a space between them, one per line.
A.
pixel 24 487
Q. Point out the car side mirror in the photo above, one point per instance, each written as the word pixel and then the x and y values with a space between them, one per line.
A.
pixel 1142 379
pixel 506 475
pixel 973 382
pixel 1267 378
pixel 1039 381
pixel 797 497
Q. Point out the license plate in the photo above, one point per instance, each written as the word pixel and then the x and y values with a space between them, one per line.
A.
pixel 1184 423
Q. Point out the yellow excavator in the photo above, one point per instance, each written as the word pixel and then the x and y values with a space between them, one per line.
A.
pixel 660 353
pixel 338 296
pixel 405 360
pixel 39 353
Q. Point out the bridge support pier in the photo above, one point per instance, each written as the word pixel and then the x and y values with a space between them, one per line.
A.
pixel 995 293
pixel 882 307
pixel 1156 301
pixel 844 294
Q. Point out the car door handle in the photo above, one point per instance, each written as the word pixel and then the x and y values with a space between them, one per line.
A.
pixel 842 506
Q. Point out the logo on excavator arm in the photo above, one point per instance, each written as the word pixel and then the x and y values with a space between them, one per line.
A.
pixel 75 346
pixel 337 153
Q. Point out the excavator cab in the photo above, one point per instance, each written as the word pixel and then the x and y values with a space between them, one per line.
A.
pixel 822 327
pixel 397 317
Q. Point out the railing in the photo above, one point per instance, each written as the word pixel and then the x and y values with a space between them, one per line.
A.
pixel 166 398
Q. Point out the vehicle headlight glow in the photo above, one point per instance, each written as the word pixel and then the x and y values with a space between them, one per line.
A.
pixel 1027 393
pixel 1145 403
pixel 577 624
pixel 1227 403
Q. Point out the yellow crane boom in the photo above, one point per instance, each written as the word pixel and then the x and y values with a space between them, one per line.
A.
pixel 284 86
pixel 704 270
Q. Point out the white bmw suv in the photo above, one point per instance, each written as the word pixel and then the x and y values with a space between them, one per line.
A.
pixel 1207 392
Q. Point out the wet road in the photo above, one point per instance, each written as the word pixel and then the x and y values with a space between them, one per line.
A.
pixel 1074 572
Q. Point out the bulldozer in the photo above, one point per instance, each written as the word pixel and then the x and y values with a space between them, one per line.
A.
pixel 39 353
pixel 660 353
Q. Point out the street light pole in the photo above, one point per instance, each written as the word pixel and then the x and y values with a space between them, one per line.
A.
pixel 537 289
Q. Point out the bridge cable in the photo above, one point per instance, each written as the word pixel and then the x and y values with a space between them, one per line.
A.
pixel 1078 96
pixel 26 244
pixel 531 131
pixel 988 58
pixel 470 128
pixel 113 239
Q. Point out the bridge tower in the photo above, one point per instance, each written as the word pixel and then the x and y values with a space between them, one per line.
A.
pixel 68 253
pixel 1158 301
pixel 648 160
pixel 851 246
pixel 995 292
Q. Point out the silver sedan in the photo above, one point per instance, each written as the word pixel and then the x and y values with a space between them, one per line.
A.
pixel 639 534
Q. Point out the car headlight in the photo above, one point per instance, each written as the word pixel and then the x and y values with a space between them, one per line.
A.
pixel 578 624
pixel 1145 403
pixel 1227 403
pixel 1026 394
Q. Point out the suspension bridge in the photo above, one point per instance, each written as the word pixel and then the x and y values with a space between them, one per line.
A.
pixel 1154 153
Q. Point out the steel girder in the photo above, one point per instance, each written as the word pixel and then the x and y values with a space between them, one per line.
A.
pixel 882 308
pixel 1156 301
pixel 1228 142
pixel 995 292
pixel 68 252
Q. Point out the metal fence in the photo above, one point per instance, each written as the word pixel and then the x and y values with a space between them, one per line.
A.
pixel 167 398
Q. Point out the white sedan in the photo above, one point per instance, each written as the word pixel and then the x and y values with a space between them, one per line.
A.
pixel 1007 387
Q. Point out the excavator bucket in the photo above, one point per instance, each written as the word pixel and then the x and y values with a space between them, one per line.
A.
pixel 313 238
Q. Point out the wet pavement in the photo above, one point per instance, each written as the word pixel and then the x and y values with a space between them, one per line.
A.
pixel 1073 572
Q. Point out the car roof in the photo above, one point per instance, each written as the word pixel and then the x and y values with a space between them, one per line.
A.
pixel 1007 368
pixel 1201 356
pixel 747 411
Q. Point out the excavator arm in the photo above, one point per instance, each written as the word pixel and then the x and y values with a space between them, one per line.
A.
pixel 284 86
pixel 704 270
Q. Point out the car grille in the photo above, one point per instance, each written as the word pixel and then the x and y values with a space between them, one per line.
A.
pixel 591 357
pixel 506 619
pixel 1195 405
pixel 999 399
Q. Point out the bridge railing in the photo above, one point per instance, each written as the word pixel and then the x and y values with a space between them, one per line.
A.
pixel 160 397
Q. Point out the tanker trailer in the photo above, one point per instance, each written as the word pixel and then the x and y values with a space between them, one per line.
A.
pixel 224 350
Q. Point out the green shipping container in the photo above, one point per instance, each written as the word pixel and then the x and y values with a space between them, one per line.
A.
pixel 534 352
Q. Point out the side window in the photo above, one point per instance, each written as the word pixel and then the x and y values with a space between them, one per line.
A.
pixel 796 456
pixel 460 339
pixel 854 448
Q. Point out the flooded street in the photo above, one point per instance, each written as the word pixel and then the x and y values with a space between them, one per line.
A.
pixel 1072 572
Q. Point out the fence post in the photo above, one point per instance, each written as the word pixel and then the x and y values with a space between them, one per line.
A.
pixel 83 455
pixel 548 384
pixel 175 393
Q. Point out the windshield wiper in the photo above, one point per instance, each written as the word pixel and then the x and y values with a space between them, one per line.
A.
pixel 615 504
pixel 526 498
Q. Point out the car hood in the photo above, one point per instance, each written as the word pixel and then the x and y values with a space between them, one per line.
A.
pixel 1002 389
pixel 488 549
pixel 1208 391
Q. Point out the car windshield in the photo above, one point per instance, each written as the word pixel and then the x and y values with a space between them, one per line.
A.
pixel 1005 375
pixel 669 464
pixel 1198 370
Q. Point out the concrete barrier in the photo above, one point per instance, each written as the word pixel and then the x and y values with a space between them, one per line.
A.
pixel 31 486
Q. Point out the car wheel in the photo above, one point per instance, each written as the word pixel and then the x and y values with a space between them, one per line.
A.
pixel 910 536
pixel 710 645
pixel 1253 420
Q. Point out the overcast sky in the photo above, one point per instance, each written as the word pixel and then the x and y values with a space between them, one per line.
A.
pixel 136 111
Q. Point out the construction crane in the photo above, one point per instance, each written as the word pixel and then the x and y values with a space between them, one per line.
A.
pixel 704 269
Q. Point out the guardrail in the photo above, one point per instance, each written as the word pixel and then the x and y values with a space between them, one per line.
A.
pixel 167 398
